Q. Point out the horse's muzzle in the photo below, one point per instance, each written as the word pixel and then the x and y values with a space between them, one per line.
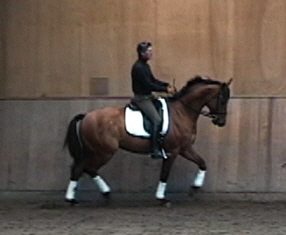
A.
pixel 219 121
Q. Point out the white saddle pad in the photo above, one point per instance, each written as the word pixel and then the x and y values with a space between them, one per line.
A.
pixel 134 121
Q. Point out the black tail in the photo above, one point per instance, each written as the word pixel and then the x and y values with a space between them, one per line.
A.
pixel 72 140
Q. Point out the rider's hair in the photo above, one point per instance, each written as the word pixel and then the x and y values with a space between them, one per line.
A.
pixel 142 47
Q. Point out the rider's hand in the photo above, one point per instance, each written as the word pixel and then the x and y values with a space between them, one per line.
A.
pixel 171 89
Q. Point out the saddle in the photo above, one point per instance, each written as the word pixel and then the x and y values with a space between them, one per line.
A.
pixel 138 124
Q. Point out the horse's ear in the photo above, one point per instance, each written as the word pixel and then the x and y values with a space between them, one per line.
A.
pixel 229 81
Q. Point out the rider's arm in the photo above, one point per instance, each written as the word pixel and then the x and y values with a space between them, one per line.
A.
pixel 144 79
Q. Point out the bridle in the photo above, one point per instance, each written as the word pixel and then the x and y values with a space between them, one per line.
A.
pixel 206 113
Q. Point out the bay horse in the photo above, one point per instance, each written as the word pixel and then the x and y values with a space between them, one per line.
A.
pixel 93 138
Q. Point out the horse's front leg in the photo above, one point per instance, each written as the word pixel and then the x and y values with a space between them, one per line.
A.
pixel 164 175
pixel 191 155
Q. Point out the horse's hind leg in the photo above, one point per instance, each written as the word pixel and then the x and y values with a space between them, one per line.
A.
pixel 99 181
pixel 84 165
pixel 191 155
pixel 98 160
pixel 78 153
pixel 76 173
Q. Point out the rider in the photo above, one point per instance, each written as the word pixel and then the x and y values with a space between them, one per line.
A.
pixel 143 84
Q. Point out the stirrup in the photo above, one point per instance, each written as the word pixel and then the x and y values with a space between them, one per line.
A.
pixel 159 154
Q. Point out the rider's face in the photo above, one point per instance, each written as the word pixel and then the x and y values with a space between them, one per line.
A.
pixel 148 53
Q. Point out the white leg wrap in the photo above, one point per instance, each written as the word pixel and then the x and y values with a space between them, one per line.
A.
pixel 160 193
pixel 70 193
pixel 200 178
pixel 103 187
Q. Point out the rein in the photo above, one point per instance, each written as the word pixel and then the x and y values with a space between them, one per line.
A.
pixel 204 113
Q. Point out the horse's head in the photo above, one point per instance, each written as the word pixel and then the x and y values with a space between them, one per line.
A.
pixel 217 103
pixel 200 92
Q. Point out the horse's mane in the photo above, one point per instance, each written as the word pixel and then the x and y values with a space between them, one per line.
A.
pixel 191 83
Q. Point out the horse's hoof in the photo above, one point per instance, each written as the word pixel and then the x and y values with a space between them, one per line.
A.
pixel 106 195
pixel 164 202
pixel 193 190
pixel 72 202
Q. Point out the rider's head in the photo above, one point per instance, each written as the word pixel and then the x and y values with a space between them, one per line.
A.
pixel 145 50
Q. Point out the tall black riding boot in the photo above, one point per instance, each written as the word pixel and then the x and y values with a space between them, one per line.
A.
pixel 156 151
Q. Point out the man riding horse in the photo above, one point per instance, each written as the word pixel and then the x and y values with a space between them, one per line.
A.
pixel 143 84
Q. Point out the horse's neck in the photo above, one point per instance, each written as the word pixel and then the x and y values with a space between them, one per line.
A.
pixel 183 120
pixel 199 97
pixel 183 110
pixel 196 100
pixel 192 105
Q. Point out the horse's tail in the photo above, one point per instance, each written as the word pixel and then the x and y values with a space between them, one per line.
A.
pixel 72 140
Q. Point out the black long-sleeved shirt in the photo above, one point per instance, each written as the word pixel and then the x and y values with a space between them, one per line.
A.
pixel 143 81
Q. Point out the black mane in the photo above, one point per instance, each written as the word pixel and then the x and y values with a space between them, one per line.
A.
pixel 192 82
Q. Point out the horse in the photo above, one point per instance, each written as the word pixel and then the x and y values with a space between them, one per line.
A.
pixel 94 137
